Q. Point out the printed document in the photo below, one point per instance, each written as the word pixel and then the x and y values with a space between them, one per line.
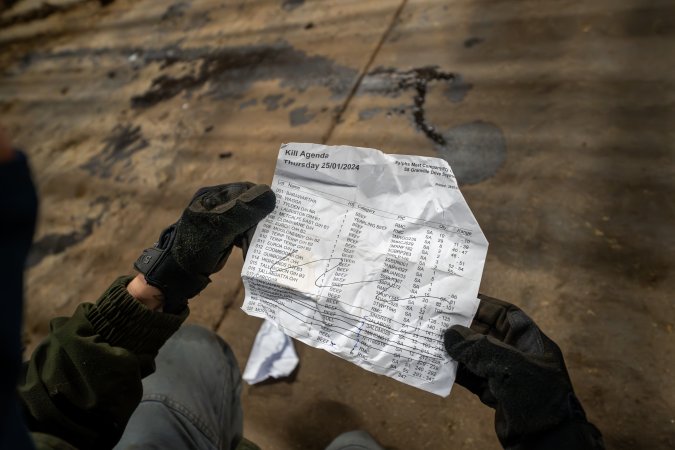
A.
pixel 368 256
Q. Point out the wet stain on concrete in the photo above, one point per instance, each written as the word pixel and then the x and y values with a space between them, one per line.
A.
pixel 390 81
pixel 55 243
pixel 300 116
pixel 164 88
pixel 230 71
pixel 458 89
pixel 290 5
pixel 177 14
pixel 272 102
pixel 247 103
pixel 473 41
pixel 369 113
pixel 398 110
pixel 175 11
pixel 41 12
pixel 120 145
pixel 474 150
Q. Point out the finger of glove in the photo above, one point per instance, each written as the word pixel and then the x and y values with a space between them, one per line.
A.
pixel 242 212
pixel 482 355
pixel 475 384
pixel 492 317
pixel 208 198
pixel 509 324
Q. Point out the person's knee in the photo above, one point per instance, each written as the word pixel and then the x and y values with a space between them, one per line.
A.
pixel 354 440
pixel 199 336
pixel 194 332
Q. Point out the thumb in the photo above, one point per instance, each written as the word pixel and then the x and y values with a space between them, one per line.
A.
pixel 238 207
pixel 245 211
pixel 455 341
pixel 478 353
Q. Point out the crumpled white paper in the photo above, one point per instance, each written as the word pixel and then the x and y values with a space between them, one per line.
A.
pixel 370 257
pixel 272 355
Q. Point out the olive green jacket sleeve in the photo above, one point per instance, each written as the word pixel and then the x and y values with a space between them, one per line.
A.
pixel 84 380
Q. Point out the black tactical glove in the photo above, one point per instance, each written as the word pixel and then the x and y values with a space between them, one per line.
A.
pixel 217 218
pixel 513 367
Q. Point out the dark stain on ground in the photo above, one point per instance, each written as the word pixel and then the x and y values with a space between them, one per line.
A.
pixel 474 150
pixel 369 113
pixel 398 110
pixel 41 12
pixel 300 116
pixel 230 71
pixel 247 103
pixel 165 87
pixel 290 5
pixel 392 82
pixel 120 145
pixel 272 102
pixel 473 41
pixel 458 89
pixel 55 243
pixel 175 11
pixel 178 12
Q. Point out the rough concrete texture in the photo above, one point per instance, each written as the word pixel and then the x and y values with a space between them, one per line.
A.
pixel 556 116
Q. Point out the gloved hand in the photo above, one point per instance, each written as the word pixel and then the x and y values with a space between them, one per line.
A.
pixel 217 218
pixel 513 367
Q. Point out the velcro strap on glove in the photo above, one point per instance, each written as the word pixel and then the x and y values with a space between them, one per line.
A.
pixel 162 271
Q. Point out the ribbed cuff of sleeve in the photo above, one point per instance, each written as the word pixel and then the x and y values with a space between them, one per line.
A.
pixel 123 321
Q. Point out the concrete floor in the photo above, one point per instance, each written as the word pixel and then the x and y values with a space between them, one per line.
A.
pixel 556 116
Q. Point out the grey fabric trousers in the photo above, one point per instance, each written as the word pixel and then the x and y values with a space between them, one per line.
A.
pixel 192 399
